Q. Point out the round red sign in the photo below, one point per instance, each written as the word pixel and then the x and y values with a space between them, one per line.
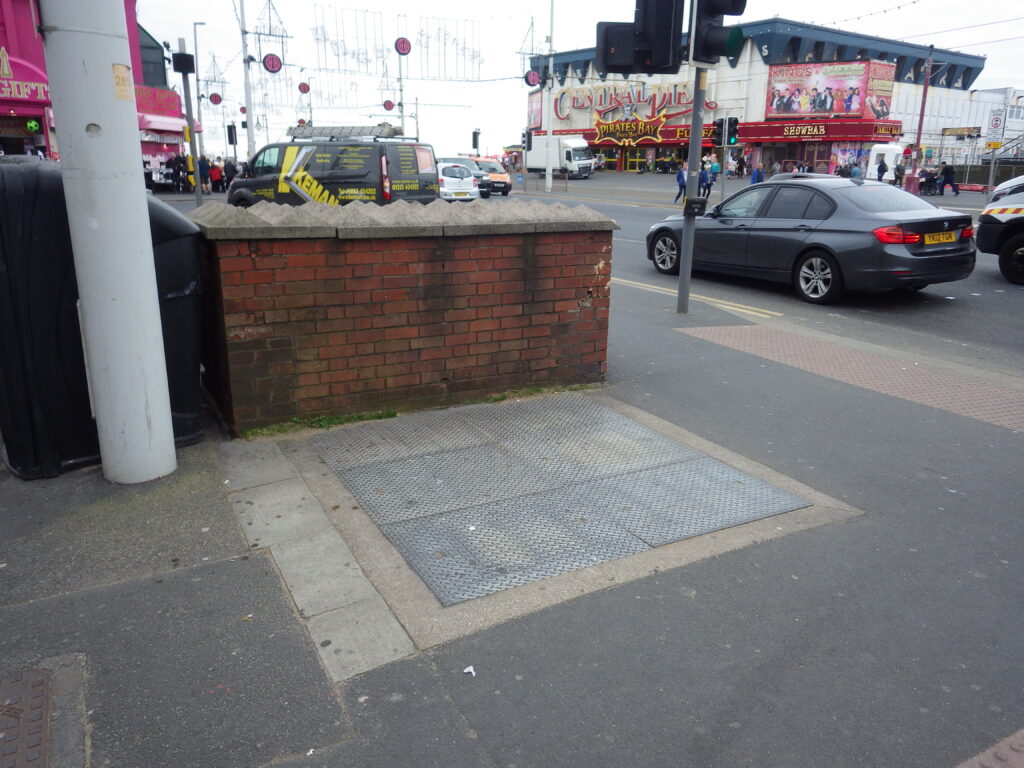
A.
pixel 403 46
pixel 303 87
pixel 389 105
pixel 532 78
pixel 215 99
pixel 272 63
pixel 242 109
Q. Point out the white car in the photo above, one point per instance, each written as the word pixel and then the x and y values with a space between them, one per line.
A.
pixel 457 182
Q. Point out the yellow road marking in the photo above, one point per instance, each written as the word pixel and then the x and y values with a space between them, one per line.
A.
pixel 766 314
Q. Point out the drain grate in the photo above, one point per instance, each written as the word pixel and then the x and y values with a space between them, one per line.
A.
pixel 25 719
pixel 486 497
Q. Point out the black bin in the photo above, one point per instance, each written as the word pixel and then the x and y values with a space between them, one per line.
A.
pixel 45 417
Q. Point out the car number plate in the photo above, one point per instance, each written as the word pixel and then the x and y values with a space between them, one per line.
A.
pixel 461 194
pixel 939 237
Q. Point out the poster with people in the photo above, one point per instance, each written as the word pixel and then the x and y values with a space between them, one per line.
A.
pixel 856 89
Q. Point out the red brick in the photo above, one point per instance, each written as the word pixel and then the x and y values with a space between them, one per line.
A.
pixel 257 276
pixel 306 260
pixel 236 264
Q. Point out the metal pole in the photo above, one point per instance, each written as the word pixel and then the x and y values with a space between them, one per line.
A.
pixel 913 182
pixel 549 107
pixel 250 136
pixel 197 188
pixel 89 68
pixel 401 97
pixel 700 82
pixel 991 170
pixel 199 86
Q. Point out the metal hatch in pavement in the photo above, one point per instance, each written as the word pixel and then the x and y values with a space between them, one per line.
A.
pixel 482 498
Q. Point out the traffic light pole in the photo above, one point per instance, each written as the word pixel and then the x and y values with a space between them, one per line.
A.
pixel 685 257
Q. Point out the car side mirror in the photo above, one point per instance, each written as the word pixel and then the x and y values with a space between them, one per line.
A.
pixel 713 213
pixel 246 170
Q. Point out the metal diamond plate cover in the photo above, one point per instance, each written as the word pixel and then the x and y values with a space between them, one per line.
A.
pixel 25 719
pixel 406 435
pixel 486 497
pixel 476 551
pixel 440 482
pixel 683 500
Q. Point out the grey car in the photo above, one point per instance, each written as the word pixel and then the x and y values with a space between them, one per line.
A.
pixel 824 235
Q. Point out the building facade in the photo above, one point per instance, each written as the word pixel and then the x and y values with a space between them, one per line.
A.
pixel 804 95
pixel 27 124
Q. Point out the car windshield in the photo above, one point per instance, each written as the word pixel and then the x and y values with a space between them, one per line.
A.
pixel 491 167
pixel 881 198
pixel 583 154
pixel 456 172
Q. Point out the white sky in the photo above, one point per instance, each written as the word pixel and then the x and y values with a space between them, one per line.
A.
pixel 488 93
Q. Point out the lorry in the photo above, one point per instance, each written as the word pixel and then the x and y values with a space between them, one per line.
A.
pixel 891 153
pixel 570 155
pixel 1001 228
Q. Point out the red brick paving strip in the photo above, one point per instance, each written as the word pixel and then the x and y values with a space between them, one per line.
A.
pixel 1008 753
pixel 1001 406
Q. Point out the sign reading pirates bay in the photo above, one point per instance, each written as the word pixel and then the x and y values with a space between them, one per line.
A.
pixel 628 133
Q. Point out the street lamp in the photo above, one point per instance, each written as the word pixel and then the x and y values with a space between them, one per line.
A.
pixel 199 87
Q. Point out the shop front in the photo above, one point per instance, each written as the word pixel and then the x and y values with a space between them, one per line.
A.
pixel 632 145
pixel 824 145
pixel 25 116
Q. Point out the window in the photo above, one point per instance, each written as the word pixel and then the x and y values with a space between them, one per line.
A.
pixel 789 203
pixel 746 204
pixel 882 198
pixel 819 208
pixel 267 162
pixel 456 172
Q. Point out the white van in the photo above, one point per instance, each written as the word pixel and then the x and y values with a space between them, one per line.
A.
pixel 891 153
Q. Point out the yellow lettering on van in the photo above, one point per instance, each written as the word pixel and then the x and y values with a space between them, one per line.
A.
pixel 286 163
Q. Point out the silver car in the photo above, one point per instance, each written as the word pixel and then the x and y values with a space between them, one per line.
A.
pixel 457 182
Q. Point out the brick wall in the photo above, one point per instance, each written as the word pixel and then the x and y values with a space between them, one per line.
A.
pixel 346 326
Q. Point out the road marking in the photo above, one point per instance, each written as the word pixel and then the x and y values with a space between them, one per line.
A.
pixel 765 314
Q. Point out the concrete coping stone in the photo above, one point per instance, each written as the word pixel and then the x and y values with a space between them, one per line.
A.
pixel 365 220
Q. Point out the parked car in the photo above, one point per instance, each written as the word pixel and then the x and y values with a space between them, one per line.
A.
pixel 337 171
pixel 482 177
pixel 824 235
pixel 500 181
pixel 1001 228
pixel 456 181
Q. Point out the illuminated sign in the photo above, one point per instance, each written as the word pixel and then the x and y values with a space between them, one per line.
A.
pixel 628 132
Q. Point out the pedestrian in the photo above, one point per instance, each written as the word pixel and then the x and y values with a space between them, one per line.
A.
pixel 757 176
pixel 230 171
pixel 716 169
pixel 204 174
pixel 741 167
pixel 882 168
pixel 776 168
pixel 856 172
pixel 216 176
pixel 948 174
pixel 704 183
pixel 897 172
pixel 681 181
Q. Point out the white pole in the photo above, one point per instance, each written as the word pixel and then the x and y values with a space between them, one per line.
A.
pixel 250 136
pixel 549 108
pixel 199 86
pixel 89 68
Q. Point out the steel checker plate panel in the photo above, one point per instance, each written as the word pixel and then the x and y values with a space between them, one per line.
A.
pixel 25 702
pixel 440 482
pixel 682 500
pixel 407 435
pixel 548 486
pixel 488 548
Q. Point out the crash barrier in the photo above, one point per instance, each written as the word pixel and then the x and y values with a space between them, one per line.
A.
pixel 326 310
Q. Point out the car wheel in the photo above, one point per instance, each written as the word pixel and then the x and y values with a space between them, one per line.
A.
pixel 504 192
pixel 665 253
pixel 817 279
pixel 485 195
pixel 1011 260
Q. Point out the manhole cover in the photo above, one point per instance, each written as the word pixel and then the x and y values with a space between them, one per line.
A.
pixel 25 719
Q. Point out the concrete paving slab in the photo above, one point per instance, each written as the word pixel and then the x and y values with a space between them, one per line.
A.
pixel 321 573
pixel 278 512
pixel 359 637
pixel 248 464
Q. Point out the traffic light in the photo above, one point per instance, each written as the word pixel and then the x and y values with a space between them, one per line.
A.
pixel 732 130
pixel 232 135
pixel 476 139
pixel 245 124
pixel 709 40
pixel 718 132
pixel 528 140
pixel 651 44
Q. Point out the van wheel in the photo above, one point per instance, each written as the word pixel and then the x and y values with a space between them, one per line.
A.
pixel 1011 260
pixel 504 193
pixel 242 203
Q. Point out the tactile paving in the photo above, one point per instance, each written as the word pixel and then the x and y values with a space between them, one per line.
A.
pixel 486 497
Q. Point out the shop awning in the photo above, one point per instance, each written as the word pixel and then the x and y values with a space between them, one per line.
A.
pixel 163 123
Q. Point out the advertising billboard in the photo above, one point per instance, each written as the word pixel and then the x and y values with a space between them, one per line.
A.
pixel 855 89
pixel 534 109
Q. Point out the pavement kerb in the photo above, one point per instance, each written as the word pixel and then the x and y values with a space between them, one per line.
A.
pixel 429 624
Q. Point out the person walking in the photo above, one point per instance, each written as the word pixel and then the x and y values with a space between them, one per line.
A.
pixel 230 171
pixel 898 171
pixel 741 167
pixel 882 168
pixel 204 174
pixel 216 176
pixel 681 181
pixel 855 171
pixel 716 169
pixel 948 174
pixel 757 176
pixel 704 183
